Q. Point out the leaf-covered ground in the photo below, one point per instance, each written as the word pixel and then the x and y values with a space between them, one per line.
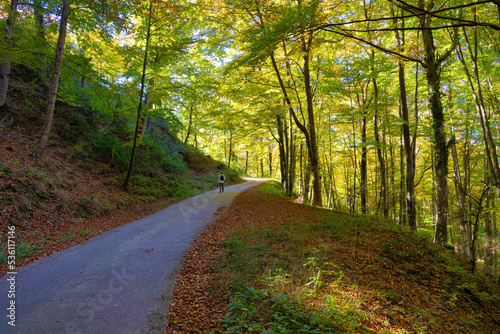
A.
pixel 269 265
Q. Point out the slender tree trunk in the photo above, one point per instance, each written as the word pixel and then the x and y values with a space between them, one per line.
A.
pixel 270 155
pixel 409 149
pixel 495 248
pixel 402 189
pixel 355 164
pixel 409 154
pixel 282 150
pixel 488 231
pixel 291 157
pixel 381 160
pixel 441 150
pixel 363 166
pixel 262 167
pixel 230 148
pixel 292 168
pixel 307 178
pixel 246 163
pixel 54 82
pixel 5 61
pixel 139 108
pixel 461 202
pixel 301 168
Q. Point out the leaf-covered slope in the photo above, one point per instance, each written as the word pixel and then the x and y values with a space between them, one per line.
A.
pixel 271 265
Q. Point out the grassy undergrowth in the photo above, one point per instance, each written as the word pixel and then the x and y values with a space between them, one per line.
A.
pixel 328 272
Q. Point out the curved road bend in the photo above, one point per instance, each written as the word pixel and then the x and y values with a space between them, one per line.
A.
pixel 117 282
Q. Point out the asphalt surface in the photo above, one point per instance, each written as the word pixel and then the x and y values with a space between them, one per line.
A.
pixel 117 282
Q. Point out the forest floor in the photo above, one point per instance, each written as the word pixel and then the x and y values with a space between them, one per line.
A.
pixel 269 265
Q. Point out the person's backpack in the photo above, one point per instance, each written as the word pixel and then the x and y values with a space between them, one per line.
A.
pixel 221 177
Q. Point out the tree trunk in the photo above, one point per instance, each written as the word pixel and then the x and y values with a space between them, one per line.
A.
pixel 409 147
pixel 307 178
pixel 54 82
pixel 292 166
pixel 246 163
pixel 230 148
pixel 409 150
pixel 460 193
pixel 402 189
pixel 355 164
pixel 5 65
pixel 282 150
pixel 441 150
pixel 488 231
pixel 495 249
pixel 313 146
pixel 139 108
pixel 262 167
pixel 270 155
pixel 363 166
pixel 380 155
pixel 301 169
pixel 291 157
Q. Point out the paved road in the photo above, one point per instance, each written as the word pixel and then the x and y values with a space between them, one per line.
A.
pixel 118 282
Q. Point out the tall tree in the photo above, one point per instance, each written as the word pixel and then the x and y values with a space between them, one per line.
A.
pixel 432 65
pixel 409 145
pixel 141 95
pixel 54 82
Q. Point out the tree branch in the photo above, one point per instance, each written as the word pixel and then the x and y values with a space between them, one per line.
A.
pixel 378 47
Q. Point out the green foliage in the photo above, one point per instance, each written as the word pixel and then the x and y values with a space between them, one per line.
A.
pixel 67 237
pixel 265 311
pixel 106 147
pixel 273 188
pixel 23 249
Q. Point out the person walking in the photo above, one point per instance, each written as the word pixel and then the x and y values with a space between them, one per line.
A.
pixel 222 178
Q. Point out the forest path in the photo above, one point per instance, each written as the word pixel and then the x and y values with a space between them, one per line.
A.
pixel 118 282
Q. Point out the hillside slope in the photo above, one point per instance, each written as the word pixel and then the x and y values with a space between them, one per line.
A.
pixel 269 265
pixel 74 193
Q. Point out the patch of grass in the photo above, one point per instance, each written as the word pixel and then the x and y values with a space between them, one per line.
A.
pixel 87 231
pixel 273 188
pixel 23 249
pixel 67 237
pixel 265 311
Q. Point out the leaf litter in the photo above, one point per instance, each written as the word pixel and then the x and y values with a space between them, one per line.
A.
pixel 389 281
